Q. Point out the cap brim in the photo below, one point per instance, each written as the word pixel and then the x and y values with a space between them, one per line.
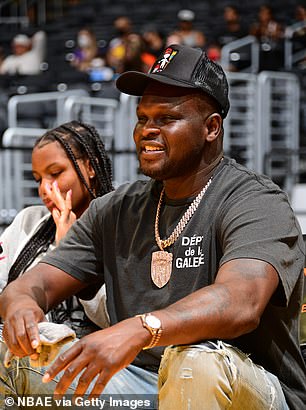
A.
pixel 134 82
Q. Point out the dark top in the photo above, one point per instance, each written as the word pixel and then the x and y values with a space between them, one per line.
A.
pixel 242 215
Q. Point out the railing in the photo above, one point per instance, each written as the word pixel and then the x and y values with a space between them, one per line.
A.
pixel 100 112
pixel 231 53
pixel 114 121
pixel 278 126
pixel 291 56
pixel 18 189
pixel 240 126
pixel 54 97
pixel 262 128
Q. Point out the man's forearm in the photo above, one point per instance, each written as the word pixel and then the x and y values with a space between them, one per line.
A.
pixel 227 309
pixel 207 314
pixel 43 285
pixel 20 293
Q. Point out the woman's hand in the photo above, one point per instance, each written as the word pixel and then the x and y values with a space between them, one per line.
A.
pixel 62 212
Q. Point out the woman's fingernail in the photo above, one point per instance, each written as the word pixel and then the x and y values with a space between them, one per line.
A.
pixel 46 378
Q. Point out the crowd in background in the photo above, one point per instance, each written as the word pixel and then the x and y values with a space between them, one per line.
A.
pixel 137 49
pixel 80 55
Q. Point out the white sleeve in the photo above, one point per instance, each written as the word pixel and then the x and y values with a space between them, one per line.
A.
pixel 96 308
pixel 10 240
pixel 39 43
pixel 16 235
pixel 8 65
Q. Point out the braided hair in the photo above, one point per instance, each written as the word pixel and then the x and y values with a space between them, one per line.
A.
pixel 79 140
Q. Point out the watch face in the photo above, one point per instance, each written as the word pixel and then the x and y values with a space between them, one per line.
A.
pixel 153 321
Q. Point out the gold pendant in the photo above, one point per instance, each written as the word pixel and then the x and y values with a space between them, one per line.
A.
pixel 161 268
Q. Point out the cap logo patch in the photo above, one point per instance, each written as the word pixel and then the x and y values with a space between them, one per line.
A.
pixel 162 63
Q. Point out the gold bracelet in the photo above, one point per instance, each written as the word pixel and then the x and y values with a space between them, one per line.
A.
pixel 154 341
pixel 153 325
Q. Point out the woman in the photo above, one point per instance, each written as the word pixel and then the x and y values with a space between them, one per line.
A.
pixel 87 49
pixel 71 167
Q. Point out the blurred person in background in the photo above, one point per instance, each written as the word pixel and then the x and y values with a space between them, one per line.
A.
pixel 89 58
pixel 173 38
pixel 27 55
pixel 154 42
pixel 116 49
pixel 299 36
pixel 232 28
pixel 213 51
pixel 300 13
pixel 133 56
pixel 266 26
pixel 87 49
pixel 186 31
pixel 125 50
pixel 270 33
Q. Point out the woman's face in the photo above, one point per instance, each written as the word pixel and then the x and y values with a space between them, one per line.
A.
pixel 50 163
pixel 85 39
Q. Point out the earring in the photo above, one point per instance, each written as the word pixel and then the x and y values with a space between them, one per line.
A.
pixel 91 176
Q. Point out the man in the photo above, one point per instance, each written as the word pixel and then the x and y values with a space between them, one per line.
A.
pixel 186 31
pixel 208 253
pixel 27 55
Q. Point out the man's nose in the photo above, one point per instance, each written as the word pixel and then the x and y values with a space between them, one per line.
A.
pixel 150 127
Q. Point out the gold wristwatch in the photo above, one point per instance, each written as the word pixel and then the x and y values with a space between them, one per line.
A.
pixel 153 324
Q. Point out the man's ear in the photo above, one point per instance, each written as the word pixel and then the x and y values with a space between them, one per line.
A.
pixel 214 124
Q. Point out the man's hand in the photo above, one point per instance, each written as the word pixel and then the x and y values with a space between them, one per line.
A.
pixel 24 301
pixel 102 353
pixel 20 330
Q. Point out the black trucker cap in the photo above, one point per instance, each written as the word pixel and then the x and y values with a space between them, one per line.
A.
pixel 181 66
